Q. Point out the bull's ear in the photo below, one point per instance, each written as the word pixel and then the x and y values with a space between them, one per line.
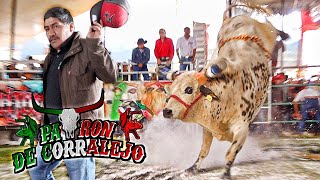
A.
pixel 173 75
pixel 205 91
pixel 208 92
pixel 160 89
pixel 149 89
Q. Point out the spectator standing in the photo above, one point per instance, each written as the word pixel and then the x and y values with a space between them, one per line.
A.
pixel 141 56
pixel 187 46
pixel 164 52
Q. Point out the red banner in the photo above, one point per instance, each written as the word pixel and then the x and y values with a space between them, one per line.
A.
pixel 307 22
pixel 14 104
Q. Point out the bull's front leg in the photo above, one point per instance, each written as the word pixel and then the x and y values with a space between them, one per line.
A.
pixel 239 137
pixel 206 144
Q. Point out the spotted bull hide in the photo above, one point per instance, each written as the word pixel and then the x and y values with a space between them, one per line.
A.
pixel 225 104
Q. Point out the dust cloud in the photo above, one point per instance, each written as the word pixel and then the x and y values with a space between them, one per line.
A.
pixel 175 144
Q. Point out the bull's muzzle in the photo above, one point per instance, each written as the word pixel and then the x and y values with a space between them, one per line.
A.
pixel 167 113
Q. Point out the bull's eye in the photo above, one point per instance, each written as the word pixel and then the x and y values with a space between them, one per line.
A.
pixel 188 90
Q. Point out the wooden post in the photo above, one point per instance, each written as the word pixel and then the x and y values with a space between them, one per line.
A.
pixel 12 27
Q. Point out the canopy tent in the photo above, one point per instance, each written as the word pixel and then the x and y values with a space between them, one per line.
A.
pixel 310 14
pixel 23 19
pixel 284 7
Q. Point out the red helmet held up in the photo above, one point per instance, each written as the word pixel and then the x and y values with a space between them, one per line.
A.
pixel 113 13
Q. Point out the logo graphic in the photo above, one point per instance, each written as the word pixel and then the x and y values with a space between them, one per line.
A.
pixel 129 125
pixel 69 117
pixel 132 116
pixel 27 131
pixel 108 17
pixel 95 138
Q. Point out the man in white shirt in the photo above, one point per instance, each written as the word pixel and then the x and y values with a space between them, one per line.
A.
pixel 187 46
pixel 310 96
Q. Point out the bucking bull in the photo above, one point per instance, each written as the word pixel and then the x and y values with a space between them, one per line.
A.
pixel 227 94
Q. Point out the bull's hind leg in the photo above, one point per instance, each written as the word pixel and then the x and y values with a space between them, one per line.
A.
pixel 206 144
pixel 240 133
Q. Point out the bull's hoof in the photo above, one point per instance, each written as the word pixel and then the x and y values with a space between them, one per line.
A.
pixel 226 176
pixel 192 169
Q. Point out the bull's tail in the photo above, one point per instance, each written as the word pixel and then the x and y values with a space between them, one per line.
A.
pixel 250 5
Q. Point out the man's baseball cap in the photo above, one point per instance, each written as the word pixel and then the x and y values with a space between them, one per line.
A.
pixel 141 41
pixel 113 13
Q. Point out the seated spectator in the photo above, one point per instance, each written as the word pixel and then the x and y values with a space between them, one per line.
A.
pixel 140 56
pixel 310 98
pixel 13 74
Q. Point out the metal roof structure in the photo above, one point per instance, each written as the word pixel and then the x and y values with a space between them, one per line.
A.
pixel 27 17
pixel 284 7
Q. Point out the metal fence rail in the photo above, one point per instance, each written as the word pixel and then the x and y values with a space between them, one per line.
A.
pixel 123 73
pixel 130 72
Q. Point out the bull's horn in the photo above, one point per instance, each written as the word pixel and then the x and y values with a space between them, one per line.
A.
pixel 37 108
pixel 201 77
pixel 215 69
pixel 92 106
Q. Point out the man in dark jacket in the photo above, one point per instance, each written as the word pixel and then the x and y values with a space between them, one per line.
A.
pixel 73 75
pixel 141 56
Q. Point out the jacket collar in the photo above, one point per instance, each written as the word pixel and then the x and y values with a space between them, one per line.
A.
pixel 66 45
pixel 74 49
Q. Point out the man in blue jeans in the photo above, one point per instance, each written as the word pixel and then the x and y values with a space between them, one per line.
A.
pixel 187 46
pixel 73 76
pixel 78 168
pixel 140 56
pixel 310 98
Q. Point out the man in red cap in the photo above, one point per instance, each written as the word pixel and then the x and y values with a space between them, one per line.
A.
pixel 73 76
pixel 164 51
